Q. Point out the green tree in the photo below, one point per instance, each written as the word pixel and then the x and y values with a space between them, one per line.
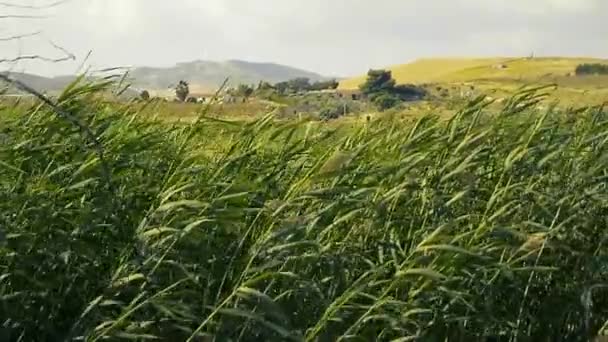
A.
pixel 382 90
pixel 244 90
pixel 299 84
pixel 293 86
pixel 281 87
pixel 378 81
pixel 182 90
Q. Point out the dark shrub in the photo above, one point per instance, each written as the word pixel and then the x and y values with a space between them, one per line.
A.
pixel 592 69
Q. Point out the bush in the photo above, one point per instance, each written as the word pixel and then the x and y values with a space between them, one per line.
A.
pixel 331 112
pixel 386 101
pixel 409 92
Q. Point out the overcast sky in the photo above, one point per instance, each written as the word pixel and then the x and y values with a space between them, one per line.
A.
pixel 333 37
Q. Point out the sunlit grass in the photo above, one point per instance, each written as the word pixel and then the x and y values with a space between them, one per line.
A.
pixel 450 70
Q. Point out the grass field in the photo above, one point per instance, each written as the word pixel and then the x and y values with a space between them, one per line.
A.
pixel 453 70
pixel 172 111
pixel 490 225
pixel 501 77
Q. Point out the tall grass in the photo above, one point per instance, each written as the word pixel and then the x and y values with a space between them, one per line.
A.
pixel 484 227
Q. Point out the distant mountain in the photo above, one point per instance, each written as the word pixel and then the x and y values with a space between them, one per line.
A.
pixel 210 74
pixel 202 75
pixel 39 83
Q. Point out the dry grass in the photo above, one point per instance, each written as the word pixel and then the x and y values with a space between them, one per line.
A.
pixel 450 70
pixel 188 112
pixel 426 70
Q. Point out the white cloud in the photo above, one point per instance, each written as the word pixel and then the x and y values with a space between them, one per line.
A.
pixel 536 7
pixel 113 15
pixel 520 42
pixel 337 36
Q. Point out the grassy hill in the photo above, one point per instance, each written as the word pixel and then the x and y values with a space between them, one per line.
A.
pixel 448 70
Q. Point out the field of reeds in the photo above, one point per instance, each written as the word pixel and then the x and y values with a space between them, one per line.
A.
pixel 490 226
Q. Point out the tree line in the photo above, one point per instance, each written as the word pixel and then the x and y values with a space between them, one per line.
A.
pixel 296 85
pixel 380 88
pixel 592 69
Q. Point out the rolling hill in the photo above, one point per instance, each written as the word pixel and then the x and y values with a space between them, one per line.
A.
pixel 448 70
pixel 202 75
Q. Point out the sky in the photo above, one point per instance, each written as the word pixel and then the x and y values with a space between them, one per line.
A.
pixel 331 37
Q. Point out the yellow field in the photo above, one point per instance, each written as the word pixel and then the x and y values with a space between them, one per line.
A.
pixel 449 70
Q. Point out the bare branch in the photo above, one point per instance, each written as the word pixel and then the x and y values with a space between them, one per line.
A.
pixel 19 16
pixel 37 57
pixel 34 7
pixel 66 52
pixel 66 57
pixel 20 36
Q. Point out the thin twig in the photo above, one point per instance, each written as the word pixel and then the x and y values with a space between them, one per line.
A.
pixel 37 57
pixel 112 69
pixel 84 61
pixel 66 52
pixel 35 7
pixel 67 56
pixel 84 129
pixel 16 37
pixel 20 16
